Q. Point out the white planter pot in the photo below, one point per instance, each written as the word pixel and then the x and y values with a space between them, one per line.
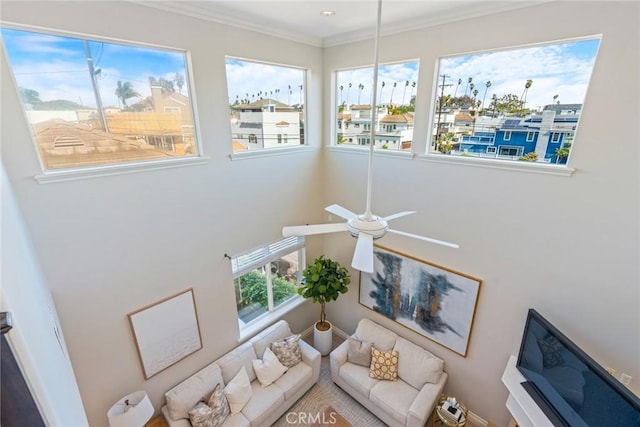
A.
pixel 323 340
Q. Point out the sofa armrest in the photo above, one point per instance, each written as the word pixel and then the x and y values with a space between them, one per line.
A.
pixel 425 401
pixel 170 422
pixel 338 357
pixel 311 357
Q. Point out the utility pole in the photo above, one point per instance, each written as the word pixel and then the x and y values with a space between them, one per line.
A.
pixel 94 83
pixel 442 86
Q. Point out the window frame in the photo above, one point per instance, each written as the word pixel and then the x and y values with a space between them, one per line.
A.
pixel 276 150
pixel 543 166
pixel 108 169
pixel 262 256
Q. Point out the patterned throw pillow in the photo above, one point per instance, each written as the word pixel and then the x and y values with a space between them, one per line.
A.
pixel 384 364
pixel 213 413
pixel 220 405
pixel 287 350
pixel 359 352
pixel 551 352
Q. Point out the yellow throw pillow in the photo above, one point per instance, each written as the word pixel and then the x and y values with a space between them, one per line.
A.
pixel 384 364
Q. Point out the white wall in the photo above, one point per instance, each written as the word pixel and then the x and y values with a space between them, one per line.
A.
pixel 111 245
pixel 567 246
pixel 43 357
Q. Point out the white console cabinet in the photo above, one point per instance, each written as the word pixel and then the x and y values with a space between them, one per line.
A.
pixel 522 407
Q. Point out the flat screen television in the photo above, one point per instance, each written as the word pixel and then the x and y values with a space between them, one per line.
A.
pixel 569 386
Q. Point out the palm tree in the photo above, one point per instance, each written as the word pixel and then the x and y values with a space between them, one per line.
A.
pixel 348 90
pixel 125 91
pixel 555 98
pixel 455 92
pixel 468 83
pixel 413 86
pixel 341 89
pixel 289 95
pixel 393 88
pixel 523 97
pixel 301 87
pixel 487 85
pixel 361 87
pixel 404 93
pixel 381 87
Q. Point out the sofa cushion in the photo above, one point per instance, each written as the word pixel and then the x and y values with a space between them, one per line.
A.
pixel 416 365
pixel 394 397
pixel 238 391
pixel 269 368
pixel 384 365
pixel 288 350
pixel 264 402
pixel 273 333
pixel 236 420
pixel 359 352
pixel 184 396
pixel 357 377
pixel 381 337
pixel 294 379
pixel 230 363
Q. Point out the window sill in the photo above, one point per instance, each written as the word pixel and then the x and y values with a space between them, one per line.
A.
pixel 250 329
pixel 511 165
pixel 376 152
pixel 107 170
pixel 250 154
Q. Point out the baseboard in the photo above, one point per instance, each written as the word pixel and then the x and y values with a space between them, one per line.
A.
pixel 476 420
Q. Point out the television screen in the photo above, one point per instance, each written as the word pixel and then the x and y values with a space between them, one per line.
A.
pixel 568 385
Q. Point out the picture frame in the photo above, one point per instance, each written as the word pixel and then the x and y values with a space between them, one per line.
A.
pixel 166 332
pixel 433 301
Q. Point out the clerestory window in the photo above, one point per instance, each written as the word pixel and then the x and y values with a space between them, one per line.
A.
pixel 92 102
pixel 526 96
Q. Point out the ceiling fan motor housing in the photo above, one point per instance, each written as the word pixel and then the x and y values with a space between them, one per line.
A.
pixel 375 226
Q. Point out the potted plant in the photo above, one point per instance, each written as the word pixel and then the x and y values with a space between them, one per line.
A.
pixel 324 281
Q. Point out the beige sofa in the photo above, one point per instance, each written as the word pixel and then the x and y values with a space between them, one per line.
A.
pixel 410 399
pixel 267 404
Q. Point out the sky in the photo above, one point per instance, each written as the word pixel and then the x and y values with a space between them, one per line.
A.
pixel 559 69
pixel 57 68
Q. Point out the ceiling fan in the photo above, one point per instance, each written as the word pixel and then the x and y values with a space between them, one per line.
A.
pixel 366 227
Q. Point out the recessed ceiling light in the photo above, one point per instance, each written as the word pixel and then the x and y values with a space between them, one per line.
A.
pixel 327 13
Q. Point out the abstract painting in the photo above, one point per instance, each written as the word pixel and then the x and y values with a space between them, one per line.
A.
pixel 166 332
pixel 431 300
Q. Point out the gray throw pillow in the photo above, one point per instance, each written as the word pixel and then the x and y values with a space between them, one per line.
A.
pixel 287 350
pixel 359 352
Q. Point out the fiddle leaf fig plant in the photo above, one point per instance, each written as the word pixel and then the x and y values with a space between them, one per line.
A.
pixel 323 281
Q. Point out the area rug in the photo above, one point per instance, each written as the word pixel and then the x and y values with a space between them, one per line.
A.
pixel 330 417
pixel 325 395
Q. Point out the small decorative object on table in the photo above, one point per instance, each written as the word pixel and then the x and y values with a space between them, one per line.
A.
pixel 450 412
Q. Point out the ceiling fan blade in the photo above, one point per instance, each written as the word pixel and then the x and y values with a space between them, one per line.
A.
pixel 306 230
pixel 398 215
pixel 363 254
pixel 340 211
pixel 427 239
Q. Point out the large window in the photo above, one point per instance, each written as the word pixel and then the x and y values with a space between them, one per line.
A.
pixel 266 105
pixel 92 102
pixel 531 97
pixel 395 105
pixel 267 278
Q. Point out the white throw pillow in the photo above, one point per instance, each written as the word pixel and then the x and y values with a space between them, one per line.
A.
pixel 269 368
pixel 238 391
